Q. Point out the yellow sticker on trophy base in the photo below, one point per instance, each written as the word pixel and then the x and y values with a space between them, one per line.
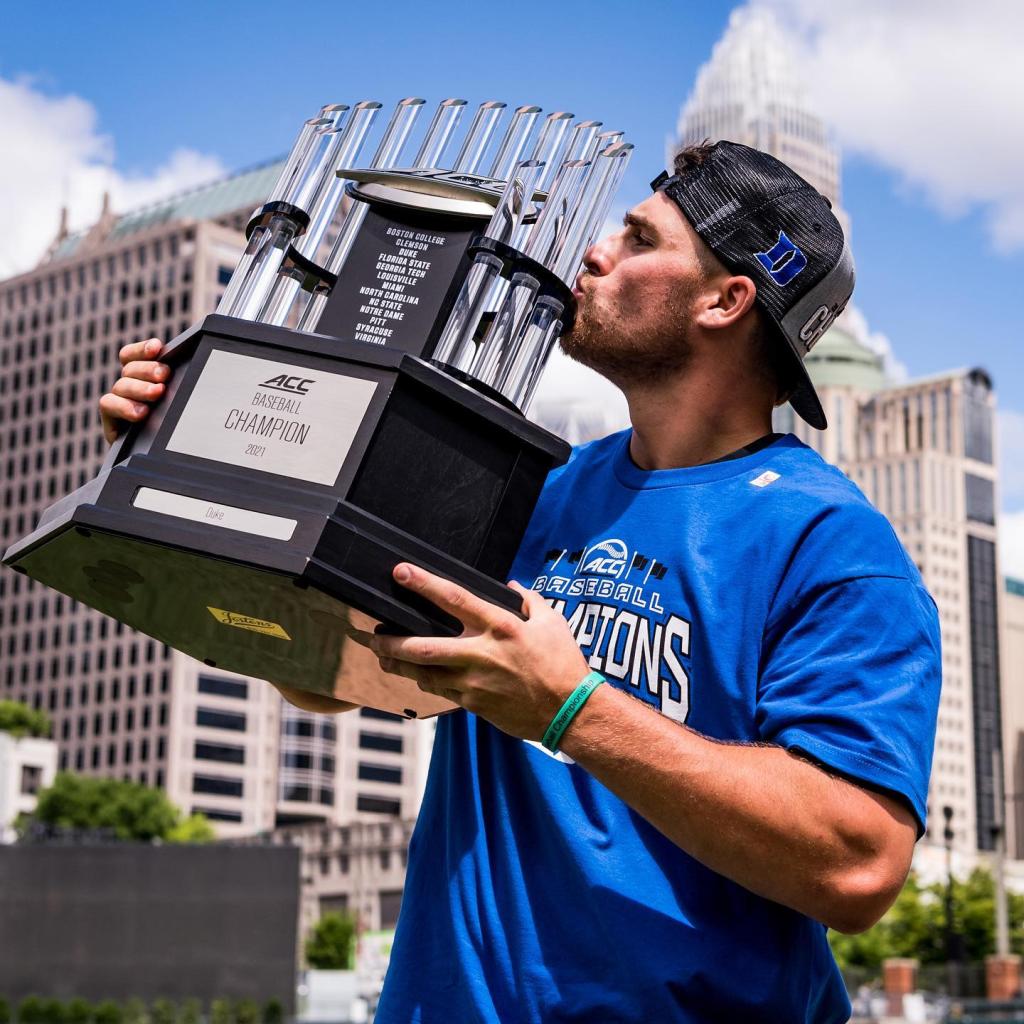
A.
pixel 248 622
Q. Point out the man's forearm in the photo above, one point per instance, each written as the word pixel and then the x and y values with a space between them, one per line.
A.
pixel 773 823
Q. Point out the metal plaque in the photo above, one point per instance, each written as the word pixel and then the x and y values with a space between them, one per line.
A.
pixel 274 417
pixel 213 513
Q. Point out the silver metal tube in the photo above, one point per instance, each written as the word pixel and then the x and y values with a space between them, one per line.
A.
pixel 457 345
pixel 596 198
pixel 299 147
pixel 551 144
pixel 397 132
pixel 270 245
pixel 532 351
pixel 582 140
pixel 511 148
pixel 485 120
pixel 561 201
pixel 324 206
pixel 446 118
pixel 388 154
pixel 499 348
pixel 554 332
pixel 255 250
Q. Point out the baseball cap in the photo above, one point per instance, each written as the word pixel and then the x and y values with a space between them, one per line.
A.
pixel 761 219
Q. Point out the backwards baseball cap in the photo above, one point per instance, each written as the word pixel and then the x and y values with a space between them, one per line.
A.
pixel 761 219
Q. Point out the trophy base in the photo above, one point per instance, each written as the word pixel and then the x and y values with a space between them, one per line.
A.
pixel 285 575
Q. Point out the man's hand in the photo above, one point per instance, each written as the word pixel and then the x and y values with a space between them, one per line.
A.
pixel 142 380
pixel 771 821
pixel 516 674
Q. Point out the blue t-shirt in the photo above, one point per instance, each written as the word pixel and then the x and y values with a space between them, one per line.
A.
pixel 757 599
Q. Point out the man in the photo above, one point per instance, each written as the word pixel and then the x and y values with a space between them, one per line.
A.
pixel 750 765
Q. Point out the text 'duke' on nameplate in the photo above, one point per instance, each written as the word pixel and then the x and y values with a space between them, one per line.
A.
pixel 275 417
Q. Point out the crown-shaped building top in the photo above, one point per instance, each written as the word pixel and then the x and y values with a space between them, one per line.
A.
pixel 752 91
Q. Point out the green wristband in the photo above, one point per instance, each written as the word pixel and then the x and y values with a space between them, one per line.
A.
pixel 568 711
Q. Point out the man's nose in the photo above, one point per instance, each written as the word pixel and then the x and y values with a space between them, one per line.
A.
pixel 597 260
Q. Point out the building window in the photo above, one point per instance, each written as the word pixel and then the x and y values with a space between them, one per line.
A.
pixel 218 785
pixel 220 719
pixel 298 793
pixel 223 687
pixel 218 814
pixel 298 728
pixel 219 752
pixel 379 773
pixel 31 779
pixel 378 805
pixel 390 904
pixel 292 759
pixel 977 417
pixel 981 499
pixel 380 741
pixel 384 716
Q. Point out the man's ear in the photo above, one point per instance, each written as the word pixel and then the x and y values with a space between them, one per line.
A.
pixel 726 301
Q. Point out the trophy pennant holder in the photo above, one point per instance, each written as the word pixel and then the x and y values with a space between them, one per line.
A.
pixel 357 400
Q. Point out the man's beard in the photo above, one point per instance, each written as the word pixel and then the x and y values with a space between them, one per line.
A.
pixel 626 353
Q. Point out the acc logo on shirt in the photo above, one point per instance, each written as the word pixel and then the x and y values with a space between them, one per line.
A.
pixel 606 558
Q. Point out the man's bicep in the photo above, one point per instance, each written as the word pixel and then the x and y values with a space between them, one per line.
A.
pixel 850 677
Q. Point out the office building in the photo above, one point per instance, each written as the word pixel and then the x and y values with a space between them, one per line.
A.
pixel 122 704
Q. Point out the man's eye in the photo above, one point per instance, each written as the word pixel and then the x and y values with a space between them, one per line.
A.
pixel 639 239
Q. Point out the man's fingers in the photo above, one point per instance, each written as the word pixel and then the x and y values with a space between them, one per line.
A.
pixel 137 390
pixel 450 597
pixel 420 650
pixel 114 408
pixel 148 349
pixel 146 369
pixel 532 601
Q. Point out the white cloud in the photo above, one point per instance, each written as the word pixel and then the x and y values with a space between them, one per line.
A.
pixel 54 155
pixel 928 88
pixel 1011 544
pixel 854 321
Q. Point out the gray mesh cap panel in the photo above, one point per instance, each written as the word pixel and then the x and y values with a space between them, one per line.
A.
pixel 763 220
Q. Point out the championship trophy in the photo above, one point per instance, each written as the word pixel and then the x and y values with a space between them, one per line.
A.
pixel 341 413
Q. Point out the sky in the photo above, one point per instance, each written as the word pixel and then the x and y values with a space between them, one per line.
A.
pixel 144 99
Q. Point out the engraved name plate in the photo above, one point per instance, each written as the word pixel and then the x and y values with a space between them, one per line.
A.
pixel 275 417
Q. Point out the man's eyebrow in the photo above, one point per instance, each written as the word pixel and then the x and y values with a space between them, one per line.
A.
pixel 634 220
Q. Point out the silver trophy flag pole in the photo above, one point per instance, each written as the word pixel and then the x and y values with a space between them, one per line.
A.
pixel 388 153
pixel 512 146
pixel 478 137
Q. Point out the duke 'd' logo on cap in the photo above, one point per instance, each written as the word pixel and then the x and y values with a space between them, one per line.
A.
pixel 783 260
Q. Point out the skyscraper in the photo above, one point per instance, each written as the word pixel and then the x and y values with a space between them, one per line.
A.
pixel 122 704
pixel 921 450
pixel 750 92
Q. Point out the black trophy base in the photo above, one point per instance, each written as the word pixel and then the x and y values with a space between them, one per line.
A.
pixel 267 548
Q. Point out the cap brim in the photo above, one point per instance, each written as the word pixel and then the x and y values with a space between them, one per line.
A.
pixel 805 399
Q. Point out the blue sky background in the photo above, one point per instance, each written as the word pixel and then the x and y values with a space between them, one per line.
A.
pixel 234 81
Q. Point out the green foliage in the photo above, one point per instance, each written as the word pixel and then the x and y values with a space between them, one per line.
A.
pixel 915 926
pixel 30 1010
pixel 163 1011
pixel 53 1011
pixel 331 943
pixel 20 720
pixel 194 829
pixel 220 1012
pixel 191 1012
pixel 78 1011
pixel 135 1011
pixel 129 809
pixel 273 1012
pixel 108 1012
pixel 247 1011
pixel 5 1011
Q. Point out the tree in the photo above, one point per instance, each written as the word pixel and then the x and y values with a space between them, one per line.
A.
pixel 163 1012
pixel 5 1012
pixel 79 1011
pixel 108 1012
pixel 247 1011
pixel 128 809
pixel 915 926
pixel 331 942
pixel 273 1012
pixel 220 1011
pixel 30 1010
pixel 20 720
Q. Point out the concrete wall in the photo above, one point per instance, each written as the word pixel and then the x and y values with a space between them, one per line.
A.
pixel 136 920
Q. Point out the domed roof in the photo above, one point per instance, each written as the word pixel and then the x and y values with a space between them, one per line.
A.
pixel 839 360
